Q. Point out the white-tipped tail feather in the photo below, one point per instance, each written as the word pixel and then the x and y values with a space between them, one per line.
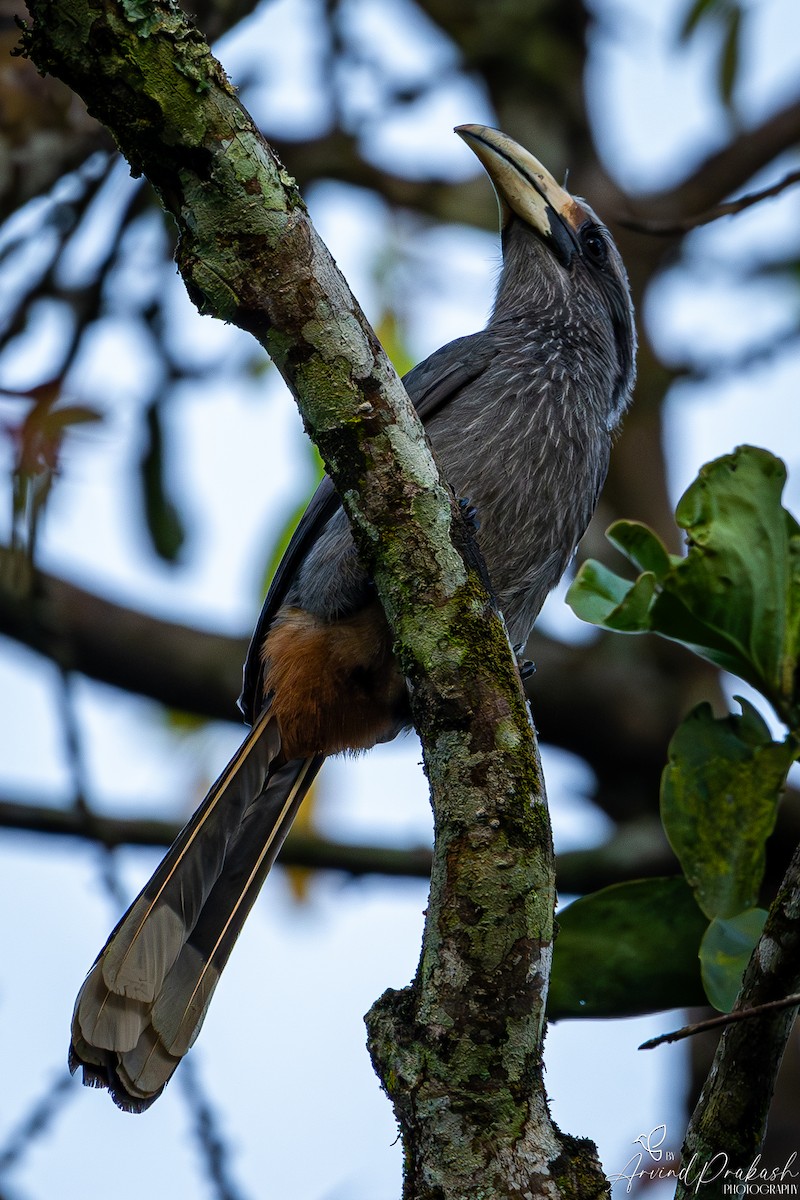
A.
pixel 144 1000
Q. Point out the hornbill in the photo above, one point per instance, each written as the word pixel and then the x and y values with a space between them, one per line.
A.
pixel 521 418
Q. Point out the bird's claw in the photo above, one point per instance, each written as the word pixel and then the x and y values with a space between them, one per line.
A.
pixel 470 513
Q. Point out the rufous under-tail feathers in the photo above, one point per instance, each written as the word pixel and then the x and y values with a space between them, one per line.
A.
pixel 144 1000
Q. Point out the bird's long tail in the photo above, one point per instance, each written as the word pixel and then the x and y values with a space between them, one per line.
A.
pixel 144 1000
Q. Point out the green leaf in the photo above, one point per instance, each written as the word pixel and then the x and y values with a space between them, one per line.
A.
pixel 792 641
pixel 596 591
pixel 697 12
pixel 725 952
pixel 391 335
pixel 161 514
pixel 671 618
pixel 729 57
pixel 601 597
pixel 735 598
pixel 630 948
pixel 738 576
pixel 643 547
pixel 727 16
pixel 632 614
pixel 61 419
pixel 719 797
pixel 279 544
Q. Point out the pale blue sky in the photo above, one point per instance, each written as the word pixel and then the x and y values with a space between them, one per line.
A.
pixel 282 1052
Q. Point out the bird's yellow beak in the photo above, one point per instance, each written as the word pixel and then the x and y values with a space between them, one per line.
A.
pixel 525 187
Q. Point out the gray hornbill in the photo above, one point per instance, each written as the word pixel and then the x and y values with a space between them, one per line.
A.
pixel 521 418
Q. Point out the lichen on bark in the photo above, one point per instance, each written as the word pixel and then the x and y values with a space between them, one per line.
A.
pixel 459 1051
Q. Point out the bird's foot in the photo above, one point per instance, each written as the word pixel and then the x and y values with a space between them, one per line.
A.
pixel 470 513
pixel 525 666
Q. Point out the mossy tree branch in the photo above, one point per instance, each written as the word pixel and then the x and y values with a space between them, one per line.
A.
pixel 727 1128
pixel 460 1050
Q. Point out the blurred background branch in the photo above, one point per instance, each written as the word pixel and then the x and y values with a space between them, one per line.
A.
pixel 124 421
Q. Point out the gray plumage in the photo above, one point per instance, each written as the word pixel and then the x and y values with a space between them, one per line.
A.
pixel 522 428
pixel 521 417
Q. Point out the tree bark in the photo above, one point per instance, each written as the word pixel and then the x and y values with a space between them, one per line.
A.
pixel 460 1050
pixel 726 1131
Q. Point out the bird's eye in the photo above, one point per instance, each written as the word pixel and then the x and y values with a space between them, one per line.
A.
pixel 594 245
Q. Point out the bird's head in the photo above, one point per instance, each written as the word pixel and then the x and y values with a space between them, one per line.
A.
pixel 559 260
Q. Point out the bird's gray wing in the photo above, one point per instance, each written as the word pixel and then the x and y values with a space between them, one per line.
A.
pixel 434 381
pixel 323 504
pixel 430 385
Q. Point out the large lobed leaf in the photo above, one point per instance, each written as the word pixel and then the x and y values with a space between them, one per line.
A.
pixel 735 598
pixel 719 799
pixel 630 948
pixel 725 952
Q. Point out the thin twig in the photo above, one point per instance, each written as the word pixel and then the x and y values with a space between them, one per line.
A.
pixel 755 358
pixel 311 852
pixel 210 1141
pixel 74 746
pixel 735 1099
pixel 728 209
pixel 741 1014
pixel 81 806
pixel 38 1120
